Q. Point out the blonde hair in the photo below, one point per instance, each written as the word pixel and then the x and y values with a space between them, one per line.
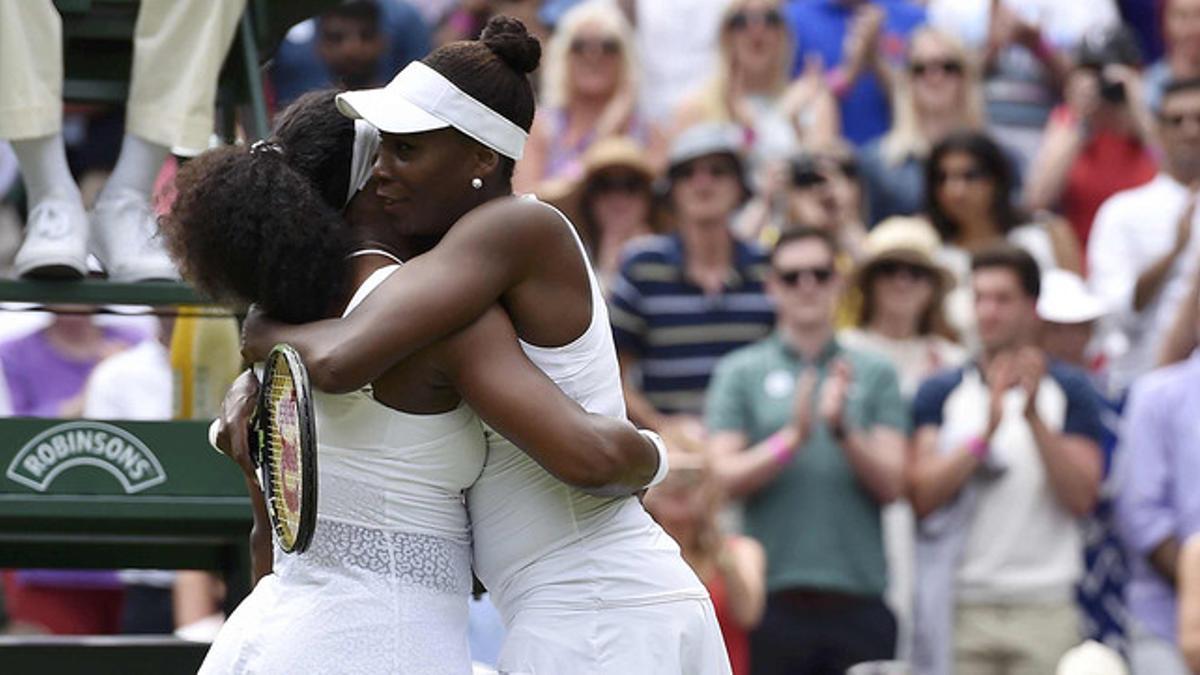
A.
pixel 905 139
pixel 556 90
pixel 712 98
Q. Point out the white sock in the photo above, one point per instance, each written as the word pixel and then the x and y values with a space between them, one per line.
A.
pixel 44 169
pixel 137 167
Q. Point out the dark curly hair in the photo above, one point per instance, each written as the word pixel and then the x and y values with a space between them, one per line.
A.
pixel 247 227
pixel 318 141
pixel 495 71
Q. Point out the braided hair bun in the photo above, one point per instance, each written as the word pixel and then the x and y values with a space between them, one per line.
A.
pixel 510 40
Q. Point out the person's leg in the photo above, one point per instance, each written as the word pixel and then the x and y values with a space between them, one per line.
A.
pixel 31 76
pixel 179 46
pixel 862 633
pixel 1039 635
pixel 977 643
pixel 786 642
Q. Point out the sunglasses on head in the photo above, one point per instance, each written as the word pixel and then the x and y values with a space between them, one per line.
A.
pixel 606 46
pixel 791 277
pixel 891 268
pixel 617 183
pixel 947 66
pixel 742 19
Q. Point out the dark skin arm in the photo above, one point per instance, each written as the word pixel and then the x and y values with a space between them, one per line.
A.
pixel 233 432
pixel 598 454
pixel 602 455
pixel 495 252
pixel 1165 560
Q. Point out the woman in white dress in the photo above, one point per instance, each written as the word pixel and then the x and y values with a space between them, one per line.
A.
pixel 585 583
pixel 384 584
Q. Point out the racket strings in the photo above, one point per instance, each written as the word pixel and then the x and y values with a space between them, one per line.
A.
pixel 281 440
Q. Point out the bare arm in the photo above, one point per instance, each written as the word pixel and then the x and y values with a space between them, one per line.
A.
pixel 1061 143
pixel 1151 281
pixel 935 478
pixel 1164 558
pixel 877 457
pixel 602 455
pixel 491 250
pixel 1181 339
pixel 743 565
pixel 1189 604
pixel 744 471
pixel 1073 465
pixel 531 170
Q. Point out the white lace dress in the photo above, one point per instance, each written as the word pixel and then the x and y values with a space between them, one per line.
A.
pixel 383 587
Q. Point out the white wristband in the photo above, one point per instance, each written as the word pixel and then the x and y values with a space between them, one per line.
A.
pixel 663 465
pixel 212 435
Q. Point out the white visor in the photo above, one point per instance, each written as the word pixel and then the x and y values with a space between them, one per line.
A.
pixel 362 158
pixel 420 99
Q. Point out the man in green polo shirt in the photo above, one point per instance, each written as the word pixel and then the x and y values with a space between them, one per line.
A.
pixel 811 435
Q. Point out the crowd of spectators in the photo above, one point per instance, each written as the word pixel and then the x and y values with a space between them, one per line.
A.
pixel 884 274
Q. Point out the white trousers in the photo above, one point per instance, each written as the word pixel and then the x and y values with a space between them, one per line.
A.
pixel 178 49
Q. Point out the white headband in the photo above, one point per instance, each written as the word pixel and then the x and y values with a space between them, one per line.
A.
pixel 421 99
pixel 362 158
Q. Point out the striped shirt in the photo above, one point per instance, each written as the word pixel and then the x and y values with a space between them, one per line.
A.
pixel 675 331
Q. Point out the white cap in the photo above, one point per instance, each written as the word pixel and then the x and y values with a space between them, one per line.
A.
pixel 703 139
pixel 1065 298
pixel 1091 658
pixel 420 99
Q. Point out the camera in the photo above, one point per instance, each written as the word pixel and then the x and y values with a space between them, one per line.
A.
pixel 1098 50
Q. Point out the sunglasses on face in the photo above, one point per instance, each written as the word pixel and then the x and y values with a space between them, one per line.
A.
pixel 892 268
pixel 605 46
pixel 744 18
pixel 946 66
pixel 792 277
pixel 713 169
pixel 972 175
pixel 1178 121
pixel 628 184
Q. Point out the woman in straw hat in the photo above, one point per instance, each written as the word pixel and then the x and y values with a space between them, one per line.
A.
pixel 900 317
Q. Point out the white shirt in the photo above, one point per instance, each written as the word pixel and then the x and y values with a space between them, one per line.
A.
pixel 690 27
pixel 135 384
pixel 1134 229
pixel 1062 23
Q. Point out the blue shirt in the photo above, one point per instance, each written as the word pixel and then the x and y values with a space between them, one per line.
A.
pixel 676 331
pixel 1159 468
pixel 296 68
pixel 820 26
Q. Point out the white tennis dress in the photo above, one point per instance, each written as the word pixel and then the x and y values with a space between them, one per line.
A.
pixel 383 587
pixel 585 584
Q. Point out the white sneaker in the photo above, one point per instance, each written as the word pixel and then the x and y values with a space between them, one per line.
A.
pixel 55 245
pixel 125 239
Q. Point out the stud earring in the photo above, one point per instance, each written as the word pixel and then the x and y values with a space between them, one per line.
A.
pixel 477 183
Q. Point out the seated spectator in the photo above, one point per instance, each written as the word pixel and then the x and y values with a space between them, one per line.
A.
pixel 1181 33
pixel 1069 315
pixel 683 300
pixel 752 87
pixel 1006 459
pixel 178 51
pixel 969 201
pixel 589 92
pixel 900 291
pixel 858 41
pixel 1141 254
pixel 816 189
pixel 1097 143
pixel 900 315
pixel 1158 508
pixel 1026 47
pixel 732 567
pixel 616 202
pixel 352 45
pixel 937 94
pixel 811 434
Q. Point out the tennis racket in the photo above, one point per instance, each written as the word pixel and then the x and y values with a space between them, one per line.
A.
pixel 283 445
